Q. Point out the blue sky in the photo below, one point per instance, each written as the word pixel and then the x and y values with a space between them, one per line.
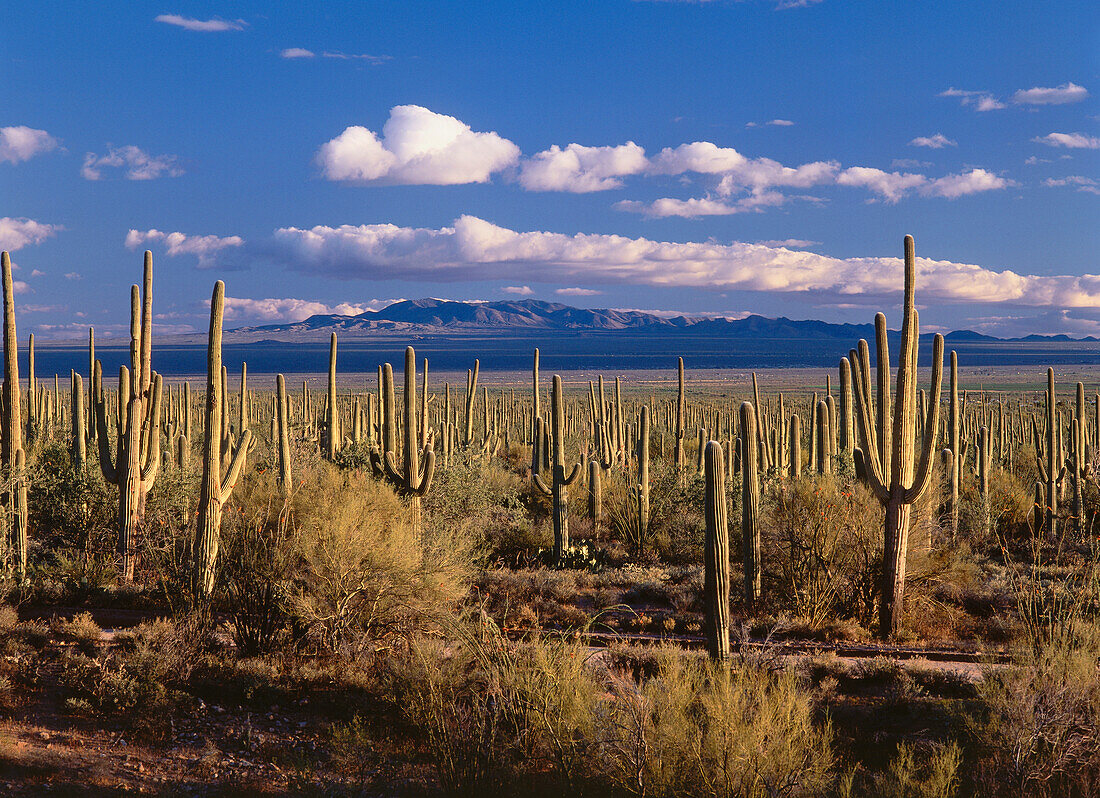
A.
pixel 721 157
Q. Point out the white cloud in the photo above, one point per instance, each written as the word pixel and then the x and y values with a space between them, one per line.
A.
pixel 296 52
pixel 1073 141
pixel 74 276
pixel 205 247
pixel 936 142
pixel 476 249
pixel 215 25
pixel 1059 95
pixel 418 147
pixel 891 186
pixel 373 59
pixel 581 169
pixel 978 100
pixel 972 182
pixel 1086 184
pixel 781 123
pixel 21 143
pixel 18 233
pixel 291 310
pixel 520 290
pixel 704 206
pixel 789 243
pixel 139 164
pixel 577 292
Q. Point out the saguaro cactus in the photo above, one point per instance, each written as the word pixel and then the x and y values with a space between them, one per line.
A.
pixel 1052 469
pixel 413 480
pixel 887 451
pixel 137 448
pixel 283 432
pixel 559 482
pixel 216 487
pixel 984 464
pixel 679 446
pixel 716 558
pixel 750 504
pixel 12 456
pixel 795 430
pixel 641 490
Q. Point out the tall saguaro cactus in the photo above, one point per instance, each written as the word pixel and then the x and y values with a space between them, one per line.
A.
pixel 12 456
pixel 283 431
pixel 750 504
pixel 716 558
pixel 216 487
pixel 412 480
pixel 679 457
pixel 137 446
pixel 559 482
pixel 887 451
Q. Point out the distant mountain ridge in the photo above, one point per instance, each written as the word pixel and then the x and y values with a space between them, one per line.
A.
pixel 428 317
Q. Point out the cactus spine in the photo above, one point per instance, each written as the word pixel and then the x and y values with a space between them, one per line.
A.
pixel 137 450
pixel 216 488
pixel 716 560
pixel 887 453
pixel 559 482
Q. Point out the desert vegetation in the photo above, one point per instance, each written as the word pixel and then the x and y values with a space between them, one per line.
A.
pixel 865 589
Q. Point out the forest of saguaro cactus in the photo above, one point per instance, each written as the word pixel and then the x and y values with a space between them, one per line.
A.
pixel 874 584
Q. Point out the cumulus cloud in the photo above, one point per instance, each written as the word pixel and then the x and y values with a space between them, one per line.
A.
pixel 978 100
pixel 291 310
pixel 139 165
pixel 1073 141
pixel 892 186
pixel 702 206
pixel 215 25
pixel 936 142
pixel 21 143
pixel 781 123
pixel 581 169
pixel 18 233
pixel 577 292
pixel 1059 95
pixel 204 247
pixel 417 147
pixel 296 52
pixel 474 249
pixel 519 290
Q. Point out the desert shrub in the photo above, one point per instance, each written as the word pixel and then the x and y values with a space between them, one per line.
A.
pixel 73 513
pixel 824 541
pixel 932 772
pixel 1039 732
pixel 257 561
pixel 81 629
pixel 362 573
pixel 484 502
pixel 676 524
pixel 496 714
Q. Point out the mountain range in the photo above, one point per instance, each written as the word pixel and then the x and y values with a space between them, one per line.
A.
pixel 441 317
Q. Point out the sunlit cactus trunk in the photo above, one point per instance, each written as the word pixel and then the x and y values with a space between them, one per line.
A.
pixel 557 490
pixel 750 505
pixel 716 560
pixel 136 461
pixel 413 479
pixel 216 488
pixel 887 450
pixel 283 434
pixel 12 456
